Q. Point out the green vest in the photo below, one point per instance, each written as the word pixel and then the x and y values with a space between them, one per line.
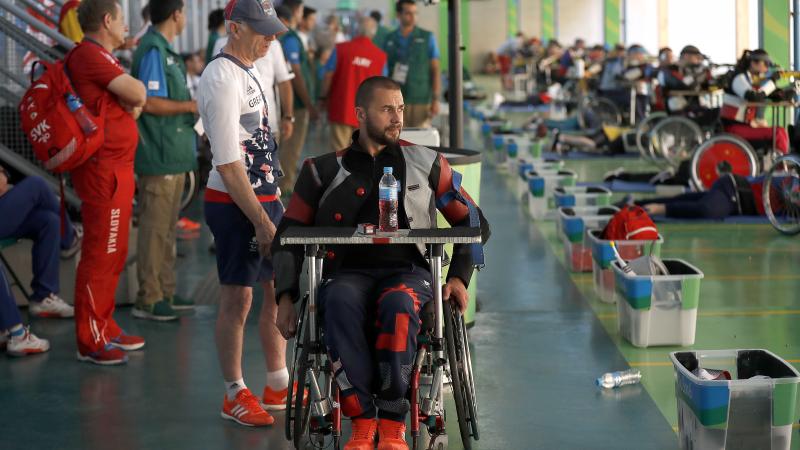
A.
pixel 309 77
pixel 417 88
pixel 380 36
pixel 167 144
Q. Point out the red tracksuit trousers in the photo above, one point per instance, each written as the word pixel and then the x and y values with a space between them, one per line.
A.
pixel 106 193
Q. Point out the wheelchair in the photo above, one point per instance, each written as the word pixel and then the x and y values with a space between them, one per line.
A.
pixel 781 194
pixel 442 351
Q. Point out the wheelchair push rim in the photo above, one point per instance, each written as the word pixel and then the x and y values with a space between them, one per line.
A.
pixel 603 109
pixel 722 149
pixel 674 139
pixel 643 131
pixel 299 354
pixel 461 374
pixel 781 195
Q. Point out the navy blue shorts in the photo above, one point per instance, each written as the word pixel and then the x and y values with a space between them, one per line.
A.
pixel 238 260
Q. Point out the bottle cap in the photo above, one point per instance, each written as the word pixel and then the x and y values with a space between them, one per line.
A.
pixel 388 170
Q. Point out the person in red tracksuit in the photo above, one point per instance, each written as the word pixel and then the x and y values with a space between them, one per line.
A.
pixel 105 182
pixel 350 63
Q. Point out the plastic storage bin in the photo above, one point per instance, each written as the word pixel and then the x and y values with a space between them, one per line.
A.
pixel 657 309
pixel 525 168
pixel 541 185
pixel 582 196
pixel 743 413
pixel 572 224
pixel 603 255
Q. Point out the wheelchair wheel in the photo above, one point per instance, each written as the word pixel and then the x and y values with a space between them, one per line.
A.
pixel 597 111
pixel 297 353
pixel 190 189
pixel 461 372
pixel 722 153
pixel 301 410
pixel 674 139
pixel 782 198
pixel 643 131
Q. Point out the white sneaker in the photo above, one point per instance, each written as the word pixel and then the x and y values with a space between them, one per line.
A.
pixel 76 242
pixel 51 306
pixel 28 344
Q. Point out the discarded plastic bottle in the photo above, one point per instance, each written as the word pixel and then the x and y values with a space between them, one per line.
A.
pixel 626 268
pixel 616 379
pixel 80 113
pixel 387 201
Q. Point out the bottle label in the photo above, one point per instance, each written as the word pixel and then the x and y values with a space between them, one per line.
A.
pixel 387 194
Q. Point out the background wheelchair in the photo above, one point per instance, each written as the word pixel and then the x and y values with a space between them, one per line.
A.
pixel 781 194
pixel 442 351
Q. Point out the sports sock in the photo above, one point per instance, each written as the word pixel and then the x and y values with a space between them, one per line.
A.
pixel 233 387
pixel 278 380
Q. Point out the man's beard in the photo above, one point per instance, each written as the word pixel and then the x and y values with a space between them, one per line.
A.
pixel 381 135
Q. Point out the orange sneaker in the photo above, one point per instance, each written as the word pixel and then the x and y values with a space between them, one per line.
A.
pixel 362 436
pixel 392 435
pixel 276 400
pixel 186 224
pixel 245 410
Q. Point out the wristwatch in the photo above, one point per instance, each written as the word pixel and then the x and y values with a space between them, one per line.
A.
pixel 289 118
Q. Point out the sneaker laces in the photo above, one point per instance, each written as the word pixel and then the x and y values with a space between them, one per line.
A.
pixel 249 401
pixel 392 429
pixel 363 429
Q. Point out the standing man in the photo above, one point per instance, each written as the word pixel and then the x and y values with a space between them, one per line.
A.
pixel 414 64
pixel 350 63
pixel 166 152
pixel 242 206
pixel 305 28
pixel 290 13
pixel 105 182
pixel 216 30
pixel 382 32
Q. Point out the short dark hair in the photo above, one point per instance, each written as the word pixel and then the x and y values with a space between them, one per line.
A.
pixel 283 12
pixel 145 12
pixel 216 19
pixel 293 4
pixel 368 87
pixel 375 14
pixel 162 10
pixel 400 3
pixel 307 11
pixel 91 13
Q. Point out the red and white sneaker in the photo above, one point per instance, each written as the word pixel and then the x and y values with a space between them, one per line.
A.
pixel 128 342
pixel 362 436
pixel 186 224
pixel 52 306
pixel 245 410
pixel 276 400
pixel 107 356
pixel 392 435
pixel 27 344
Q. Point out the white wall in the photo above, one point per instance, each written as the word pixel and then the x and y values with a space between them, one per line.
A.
pixel 488 26
pixel 580 19
pixel 708 24
pixel 641 26
pixel 530 15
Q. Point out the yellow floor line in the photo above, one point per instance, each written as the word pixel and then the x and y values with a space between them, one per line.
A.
pixel 757 313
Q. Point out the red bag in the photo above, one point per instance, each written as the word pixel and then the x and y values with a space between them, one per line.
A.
pixel 53 130
pixel 631 223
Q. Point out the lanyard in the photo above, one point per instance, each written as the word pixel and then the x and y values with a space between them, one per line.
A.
pixel 236 61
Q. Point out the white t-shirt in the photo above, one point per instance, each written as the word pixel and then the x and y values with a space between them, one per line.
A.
pixel 235 119
pixel 273 69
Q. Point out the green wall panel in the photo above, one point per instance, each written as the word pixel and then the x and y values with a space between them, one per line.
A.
pixel 774 21
pixel 612 14
pixel 548 20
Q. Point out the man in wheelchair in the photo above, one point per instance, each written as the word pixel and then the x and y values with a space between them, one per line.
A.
pixel 372 295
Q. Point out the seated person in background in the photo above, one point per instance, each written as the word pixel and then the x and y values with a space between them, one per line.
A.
pixel 689 74
pixel 30 210
pixel 569 58
pixel 15 338
pixel 611 74
pixel 373 294
pixel 549 66
pixel 753 83
pixel 730 195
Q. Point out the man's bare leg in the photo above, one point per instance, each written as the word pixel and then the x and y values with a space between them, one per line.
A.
pixel 273 344
pixel 229 330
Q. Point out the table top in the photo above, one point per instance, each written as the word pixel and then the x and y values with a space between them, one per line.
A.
pixel 688 93
pixel 349 236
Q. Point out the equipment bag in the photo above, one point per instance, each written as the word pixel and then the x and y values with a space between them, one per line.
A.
pixel 631 223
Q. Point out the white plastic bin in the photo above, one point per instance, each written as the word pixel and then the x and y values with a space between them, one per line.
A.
pixel 582 196
pixel 603 255
pixel 572 224
pixel 743 413
pixel 541 185
pixel 525 168
pixel 657 309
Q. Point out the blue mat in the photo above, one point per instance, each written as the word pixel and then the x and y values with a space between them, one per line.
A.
pixel 519 108
pixel 630 187
pixel 745 220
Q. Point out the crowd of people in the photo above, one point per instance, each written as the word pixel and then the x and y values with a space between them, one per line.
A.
pixel 247 100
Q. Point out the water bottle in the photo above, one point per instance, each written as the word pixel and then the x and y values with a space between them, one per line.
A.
pixel 81 115
pixel 626 268
pixel 387 201
pixel 617 379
